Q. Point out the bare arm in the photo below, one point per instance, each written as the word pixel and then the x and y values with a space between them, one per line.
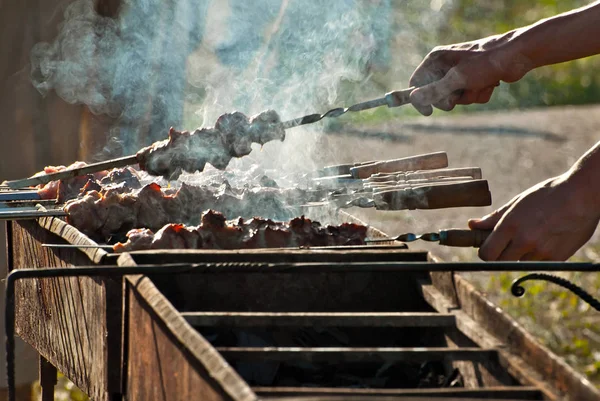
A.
pixel 568 36
pixel 468 72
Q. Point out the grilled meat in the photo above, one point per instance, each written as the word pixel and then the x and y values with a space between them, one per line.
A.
pixel 100 214
pixel 231 137
pixel 65 190
pixel 215 232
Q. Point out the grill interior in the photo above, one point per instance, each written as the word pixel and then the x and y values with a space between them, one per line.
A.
pixel 292 332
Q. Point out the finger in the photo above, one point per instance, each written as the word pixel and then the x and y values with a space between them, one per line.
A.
pixel 494 245
pixel 514 251
pixel 448 104
pixel 468 97
pixel 484 95
pixel 438 90
pixel 530 257
pixel 426 110
pixel 488 222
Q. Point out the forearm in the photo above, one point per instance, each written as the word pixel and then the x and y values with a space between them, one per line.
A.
pixel 568 36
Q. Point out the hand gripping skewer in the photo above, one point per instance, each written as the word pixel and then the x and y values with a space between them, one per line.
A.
pixel 391 99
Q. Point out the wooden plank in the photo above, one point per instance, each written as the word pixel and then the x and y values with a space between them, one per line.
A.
pixel 167 359
pixel 516 366
pixel 271 291
pixel 374 398
pixel 290 255
pixel 531 354
pixel 71 235
pixel 323 319
pixel 503 392
pixel 74 323
pixel 352 355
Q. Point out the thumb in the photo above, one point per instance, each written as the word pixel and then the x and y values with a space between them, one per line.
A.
pixel 489 221
pixel 434 92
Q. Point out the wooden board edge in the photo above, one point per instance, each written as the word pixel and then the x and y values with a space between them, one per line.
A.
pixel 519 341
pixel 516 366
pixel 73 236
pixel 220 370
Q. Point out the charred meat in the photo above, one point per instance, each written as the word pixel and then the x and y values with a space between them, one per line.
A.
pixel 215 232
pixel 65 190
pixel 101 214
pixel 231 136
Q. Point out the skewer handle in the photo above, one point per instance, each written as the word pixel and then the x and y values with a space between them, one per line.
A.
pixel 470 193
pixel 473 172
pixel 463 237
pixel 63 175
pixel 341 169
pixel 427 161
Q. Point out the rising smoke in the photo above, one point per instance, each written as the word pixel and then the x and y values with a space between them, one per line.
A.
pixel 183 63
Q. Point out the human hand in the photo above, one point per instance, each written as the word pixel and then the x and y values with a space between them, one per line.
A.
pixel 549 221
pixel 465 73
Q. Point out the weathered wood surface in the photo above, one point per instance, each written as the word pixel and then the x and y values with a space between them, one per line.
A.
pixel 320 319
pixel 519 343
pixel 74 323
pixel 377 398
pixel 271 291
pixel 167 359
pixel 355 354
pixel 519 393
pixel 519 353
pixel 290 255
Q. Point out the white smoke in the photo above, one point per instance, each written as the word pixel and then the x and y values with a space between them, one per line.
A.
pixel 183 63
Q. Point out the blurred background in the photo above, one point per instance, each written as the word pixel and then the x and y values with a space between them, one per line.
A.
pixel 92 79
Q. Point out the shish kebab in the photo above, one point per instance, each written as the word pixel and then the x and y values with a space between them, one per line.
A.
pixel 231 136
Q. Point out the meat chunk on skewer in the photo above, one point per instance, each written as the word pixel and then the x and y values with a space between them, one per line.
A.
pixel 232 136
pixel 215 232
pixel 100 214
pixel 65 190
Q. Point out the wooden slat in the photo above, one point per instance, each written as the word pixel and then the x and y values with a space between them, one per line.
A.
pixel 355 354
pixel 291 255
pixel 522 352
pixel 74 323
pixel 301 319
pixel 500 392
pixel 376 398
pixel 512 363
pixel 169 360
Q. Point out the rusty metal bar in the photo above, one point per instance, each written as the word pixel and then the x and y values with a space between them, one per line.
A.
pixel 15 214
pixel 324 319
pixel 499 392
pixel 18 195
pixel 243 265
pixel 48 379
pixel 356 354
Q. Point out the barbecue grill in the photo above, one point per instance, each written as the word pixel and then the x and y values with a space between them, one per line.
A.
pixel 370 321
pixel 149 335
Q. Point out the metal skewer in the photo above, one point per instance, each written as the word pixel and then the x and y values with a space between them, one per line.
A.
pixel 450 237
pixel 391 99
pixel 70 173
pixel 77 246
